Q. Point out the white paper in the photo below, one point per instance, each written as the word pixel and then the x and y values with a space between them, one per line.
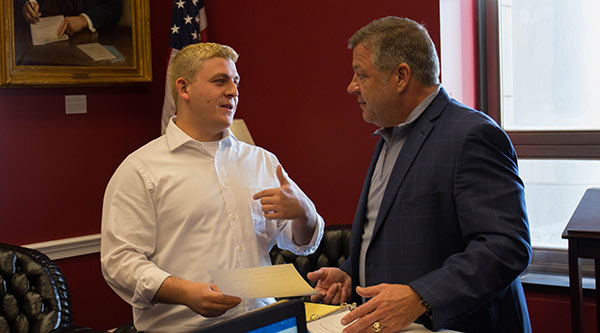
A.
pixel 75 104
pixel 331 324
pixel 328 324
pixel 96 51
pixel 45 31
pixel 261 282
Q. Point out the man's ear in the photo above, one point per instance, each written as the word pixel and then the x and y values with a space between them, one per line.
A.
pixel 182 87
pixel 402 74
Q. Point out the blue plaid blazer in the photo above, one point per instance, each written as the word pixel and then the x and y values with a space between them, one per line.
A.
pixel 452 223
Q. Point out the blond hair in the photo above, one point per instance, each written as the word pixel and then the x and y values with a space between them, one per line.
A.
pixel 189 60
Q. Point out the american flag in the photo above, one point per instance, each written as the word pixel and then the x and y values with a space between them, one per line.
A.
pixel 188 26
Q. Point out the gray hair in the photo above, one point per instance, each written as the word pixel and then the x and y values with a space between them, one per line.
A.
pixel 396 40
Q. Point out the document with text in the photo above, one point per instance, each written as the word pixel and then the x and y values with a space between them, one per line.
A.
pixel 262 282
pixel 45 31
pixel 331 324
pixel 323 318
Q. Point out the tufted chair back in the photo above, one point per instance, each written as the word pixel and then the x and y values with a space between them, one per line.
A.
pixel 33 292
pixel 333 251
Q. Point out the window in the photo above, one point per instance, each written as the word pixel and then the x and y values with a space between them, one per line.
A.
pixel 539 74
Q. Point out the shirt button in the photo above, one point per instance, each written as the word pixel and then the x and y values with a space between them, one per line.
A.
pixel 240 248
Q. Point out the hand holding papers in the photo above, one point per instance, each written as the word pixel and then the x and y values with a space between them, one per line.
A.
pixel 46 30
pixel 323 318
pixel 262 282
pixel 284 281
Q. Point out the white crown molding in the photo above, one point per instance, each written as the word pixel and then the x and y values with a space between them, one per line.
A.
pixel 68 247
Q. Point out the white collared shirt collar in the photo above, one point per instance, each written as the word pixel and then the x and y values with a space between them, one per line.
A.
pixel 176 137
pixel 412 117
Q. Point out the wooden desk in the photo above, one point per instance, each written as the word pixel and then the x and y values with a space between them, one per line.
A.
pixel 583 233
pixel 66 53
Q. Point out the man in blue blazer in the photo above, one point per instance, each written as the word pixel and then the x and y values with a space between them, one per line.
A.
pixel 441 233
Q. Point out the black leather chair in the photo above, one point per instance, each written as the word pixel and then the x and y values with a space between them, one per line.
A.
pixel 34 296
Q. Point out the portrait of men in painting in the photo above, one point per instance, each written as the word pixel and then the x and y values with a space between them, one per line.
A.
pixel 73 32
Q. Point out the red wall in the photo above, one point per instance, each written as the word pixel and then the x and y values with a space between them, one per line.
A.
pixel 294 67
pixel 55 167
pixel 458 33
pixel 551 312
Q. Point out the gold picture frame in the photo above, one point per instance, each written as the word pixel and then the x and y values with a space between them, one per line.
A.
pixel 72 62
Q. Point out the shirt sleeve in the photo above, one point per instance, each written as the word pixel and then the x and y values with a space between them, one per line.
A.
pixel 285 240
pixel 285 236
pixel 89 22
pixel 129 237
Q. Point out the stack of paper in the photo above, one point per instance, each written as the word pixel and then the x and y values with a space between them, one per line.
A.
pixel 96 51
pixel 322 318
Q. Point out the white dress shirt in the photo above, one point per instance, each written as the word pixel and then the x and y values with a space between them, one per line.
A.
pixel 180 207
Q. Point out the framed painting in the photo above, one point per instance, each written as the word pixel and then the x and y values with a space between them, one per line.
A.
pixel 74 42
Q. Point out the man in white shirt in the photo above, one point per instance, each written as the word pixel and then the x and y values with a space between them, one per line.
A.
pixel 198 199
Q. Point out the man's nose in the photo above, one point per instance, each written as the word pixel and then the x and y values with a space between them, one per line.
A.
pixel 232 90
pixel 353 88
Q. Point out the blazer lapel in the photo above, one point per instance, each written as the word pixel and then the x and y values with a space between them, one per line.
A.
pixel 364 194
pixel 408 153
pixel 360 215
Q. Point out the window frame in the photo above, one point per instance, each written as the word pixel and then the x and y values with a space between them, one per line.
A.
pixel 528 144
pixel 571 144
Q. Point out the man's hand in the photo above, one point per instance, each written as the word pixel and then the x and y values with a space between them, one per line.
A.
pixel 394 306
pixel 31 12
pixel 333 284
pixel 71 25
pixel 203 298
pixel 208 300
pixel 289 203
pixel 283 202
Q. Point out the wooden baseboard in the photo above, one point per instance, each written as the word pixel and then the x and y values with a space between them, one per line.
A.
pixel 68 247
